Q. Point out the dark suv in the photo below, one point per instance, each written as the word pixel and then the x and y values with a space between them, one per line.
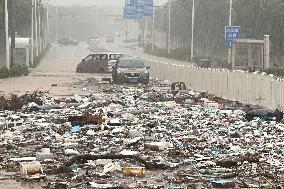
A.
pixel 130 70
pixel 100 62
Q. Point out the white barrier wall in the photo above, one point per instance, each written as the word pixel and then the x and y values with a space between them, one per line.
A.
pixel 251 88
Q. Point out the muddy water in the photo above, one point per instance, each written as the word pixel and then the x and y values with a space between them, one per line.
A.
pixel 12 184
pixel 6 182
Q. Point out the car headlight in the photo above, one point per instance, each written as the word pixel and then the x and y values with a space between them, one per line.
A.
pixel 119 71
pixel 144 73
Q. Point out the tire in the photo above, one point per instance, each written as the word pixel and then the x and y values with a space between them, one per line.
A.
pixel 79 70
pixel 146 82
pixel 116 81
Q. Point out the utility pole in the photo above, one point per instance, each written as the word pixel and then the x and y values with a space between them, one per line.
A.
pixel 12 30
pixel 56 24
pixel 192 30
pixel 7 36
pixel 96 23
pixel 39 30
pixel 32 35
pixel 169 32
pixel 230 24
pixel 36 29
pixel 145 33
pixel 47 25
pixel 69 27
pixel 69 22
pixel 126 30
pixel 153 28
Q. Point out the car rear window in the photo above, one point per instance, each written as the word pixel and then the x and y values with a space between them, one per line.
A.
pixel 103 56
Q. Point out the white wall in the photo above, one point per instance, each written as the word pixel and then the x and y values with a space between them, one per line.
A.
pixel 252 88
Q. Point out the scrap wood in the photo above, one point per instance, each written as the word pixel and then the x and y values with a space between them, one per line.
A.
pixel 235 161
pixel 243 182
pixel 266 176
pixel 86 119
pixel 14 102
pixel 81 159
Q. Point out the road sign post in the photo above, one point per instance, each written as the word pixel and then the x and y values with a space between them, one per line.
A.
pixel 232 33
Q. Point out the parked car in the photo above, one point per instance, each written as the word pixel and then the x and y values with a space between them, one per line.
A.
pixel 130 70
pixel 99 62
pixel 109 40
pixel 93 41
pixel 67 41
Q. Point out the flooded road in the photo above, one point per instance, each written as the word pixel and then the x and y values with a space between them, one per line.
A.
pixel 55 73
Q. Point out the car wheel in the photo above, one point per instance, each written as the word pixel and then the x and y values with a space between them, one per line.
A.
pixel 146 82
pixel 79 70
pixel 116 81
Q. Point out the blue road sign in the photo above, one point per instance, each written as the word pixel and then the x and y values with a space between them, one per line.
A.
pixel 148 7
pixel 136 9
pixel 231 33
pixel 129 12
pixel 139 9
pixel 131 3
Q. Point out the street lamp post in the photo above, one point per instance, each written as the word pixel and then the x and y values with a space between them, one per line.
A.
pixel 169 32
pixel 153 28
pixel 7 36
pixel 192 30
pixel 56 24
pixel 39 31
pixel 36 28
pixel 145 33
pixel 126 31
pixel 32 35
pixel 230 24
pixel 12 30
pixel 46 25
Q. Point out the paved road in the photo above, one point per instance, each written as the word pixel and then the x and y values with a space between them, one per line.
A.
pixel 133 50
pixel 58 67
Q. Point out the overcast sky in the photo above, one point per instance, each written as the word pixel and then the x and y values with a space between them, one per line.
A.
pixel 99 3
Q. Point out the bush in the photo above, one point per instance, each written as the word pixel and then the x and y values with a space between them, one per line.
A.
pixel 182 54
pixel 14 71
pixel 40 56
pixel 18 70
pixel 4 72
pixel 279 72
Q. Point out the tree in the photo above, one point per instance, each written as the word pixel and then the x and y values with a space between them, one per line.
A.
pixel 256 18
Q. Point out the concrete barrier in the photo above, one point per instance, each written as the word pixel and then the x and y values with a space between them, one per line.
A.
pixel 251 88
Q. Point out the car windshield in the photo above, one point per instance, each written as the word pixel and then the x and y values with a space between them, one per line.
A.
pixel 131 63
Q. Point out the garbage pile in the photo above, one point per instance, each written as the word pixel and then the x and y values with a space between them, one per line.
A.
pixel 15 102
pixel 141 137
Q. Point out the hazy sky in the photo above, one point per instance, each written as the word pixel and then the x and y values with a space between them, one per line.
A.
pixel 99 3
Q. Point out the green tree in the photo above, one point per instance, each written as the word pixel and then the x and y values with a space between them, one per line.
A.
pixel 256 18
